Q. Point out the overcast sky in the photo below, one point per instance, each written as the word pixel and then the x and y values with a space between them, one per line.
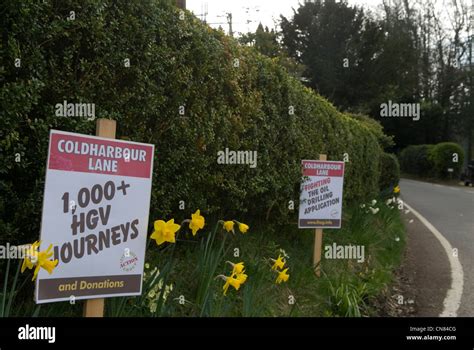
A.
pixel 247 14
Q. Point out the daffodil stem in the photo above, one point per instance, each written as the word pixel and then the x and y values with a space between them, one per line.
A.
pixel 4 297
pixel 212 271
pixel 13 291
pixel 148 244
pixel 169 267
pixel 206 270
pixel 37 311
pixel 120 307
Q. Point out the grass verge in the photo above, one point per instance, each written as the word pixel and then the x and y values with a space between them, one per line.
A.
pixel 180 280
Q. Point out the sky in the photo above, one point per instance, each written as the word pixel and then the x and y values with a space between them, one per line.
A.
pixel 247 14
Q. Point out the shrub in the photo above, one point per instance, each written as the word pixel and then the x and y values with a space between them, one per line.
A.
pixel 416 160
pixel 389 172
pixel 376 128
pixel 232 96
pixel 447 155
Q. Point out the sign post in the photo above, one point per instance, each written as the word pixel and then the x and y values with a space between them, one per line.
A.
pixel 104 128
pixel 318 241
pixel 321 200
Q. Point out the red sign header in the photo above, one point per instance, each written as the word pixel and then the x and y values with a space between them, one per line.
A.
pixel 322 168
pixel 89 154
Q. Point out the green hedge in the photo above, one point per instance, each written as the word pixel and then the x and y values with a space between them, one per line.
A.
pixel 432 160
pixel 447 155
pixel 415 160
pixel 174 62
pixel 389 172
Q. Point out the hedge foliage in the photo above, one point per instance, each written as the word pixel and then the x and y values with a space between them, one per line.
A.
pixel 389 172
pixel 433 160
pixel 232 96
pixel 415 160
pixel 447 155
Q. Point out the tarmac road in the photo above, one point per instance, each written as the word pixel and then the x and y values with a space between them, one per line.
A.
pixel 450 209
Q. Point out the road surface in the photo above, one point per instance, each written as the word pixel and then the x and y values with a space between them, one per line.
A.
pixel 450 210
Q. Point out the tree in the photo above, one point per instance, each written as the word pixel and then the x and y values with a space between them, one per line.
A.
pixel 325 36
pixel 267 43
pixel 402 53
pixel 264 40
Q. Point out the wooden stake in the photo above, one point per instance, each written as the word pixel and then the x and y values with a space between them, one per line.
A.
pixel 318 241
pixel 94 308
pixel 104 128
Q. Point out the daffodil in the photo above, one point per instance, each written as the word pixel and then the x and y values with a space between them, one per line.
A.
pixel 243 227
pixel 197 222
pixel 282 276
pixel 396 189
pixel 237 268
pixel 231 281
pixel 229 226
pixel 241 277
pixel 31 257
pixel 39 260
pixel 165 231
pixel 278 263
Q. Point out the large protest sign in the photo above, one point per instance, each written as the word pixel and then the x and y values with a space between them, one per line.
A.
pixel 321 194
pixel 95 214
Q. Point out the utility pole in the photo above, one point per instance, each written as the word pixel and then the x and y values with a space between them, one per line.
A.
pixel 471 104
pixel 181 4
pixel 229 20
pixel 228 16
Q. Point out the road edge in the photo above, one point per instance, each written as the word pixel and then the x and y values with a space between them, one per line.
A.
pixel 452 301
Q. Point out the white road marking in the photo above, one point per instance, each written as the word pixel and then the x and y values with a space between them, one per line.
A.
pixel 452 301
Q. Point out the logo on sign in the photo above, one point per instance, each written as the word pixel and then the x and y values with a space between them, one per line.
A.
pixel 128 261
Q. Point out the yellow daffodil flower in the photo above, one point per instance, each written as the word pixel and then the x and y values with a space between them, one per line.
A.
pixel 44 262
pixel 241 277
pixel 197 222
pixel 39 260
pixel 165 231
pixel 231 281
pixel 279 263
pixel 229 226
pixel 31 257
pixel 238 268
pixel 396 189
pixel 282 276
pixel 243 227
